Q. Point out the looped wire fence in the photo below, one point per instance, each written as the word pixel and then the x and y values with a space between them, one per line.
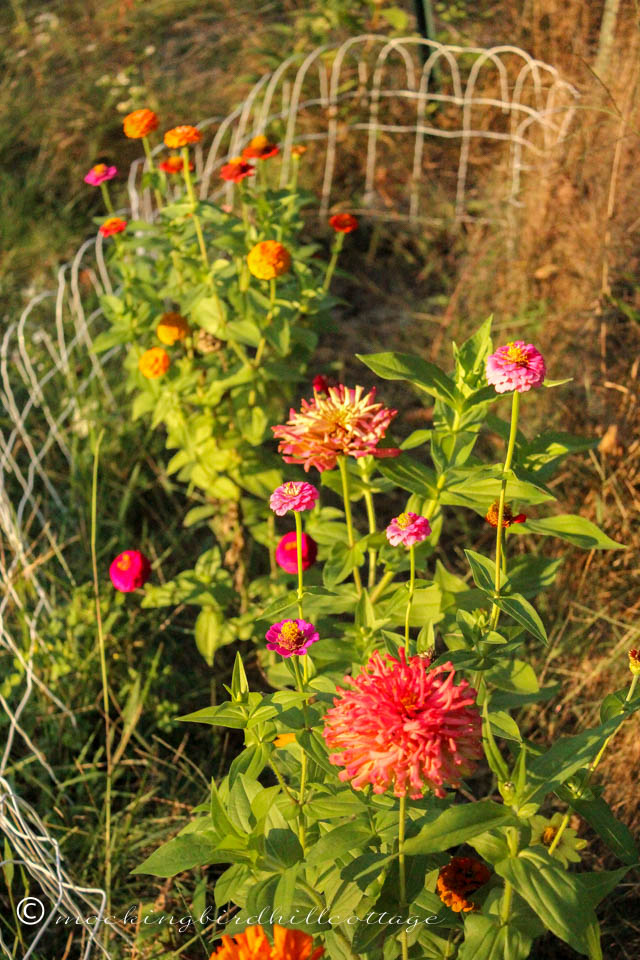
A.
pixel 406 130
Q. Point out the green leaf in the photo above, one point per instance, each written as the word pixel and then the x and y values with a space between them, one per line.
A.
pixel 615 834
pixel 477 487
pixel 227 714
pixel 514 604
pixel 569 526
pixel 182 853
pixel 341 562
pixel 485 938
pixel 504 726
pixel 210 313
pixel 342 840
pixel 422 374
pixel 208 633
pixel 411 475
pixel 239 682
pixel 397 17
pixel 457 825
pixel 282 849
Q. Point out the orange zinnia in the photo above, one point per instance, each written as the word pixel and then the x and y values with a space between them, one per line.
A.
pixel 154 363
pixel 112 225
pixel 260 148
pixel 140 123
pixel 268 260
pixel 172 327
pixel 252 944
pixel 182 136
pixel 173 165
pixel 459 878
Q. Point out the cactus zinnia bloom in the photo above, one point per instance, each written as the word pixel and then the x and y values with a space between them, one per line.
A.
pixel 112 225
pixel 252 944
pixel 260 148
pixel 291 637
pixel 408 529
pixel 140 124
pixel 172 327
pixel 507 515
pixel 268 260
pixel 236 170
pixel 129 571
pixel 182 137
pixel 517 366
pixel 99 174
pixel 173 165
pixel 293 495
pixel 287 552
pixel 154 363
pixel 343 222
pixel 342 422
pixel 461 877
pixel 403 726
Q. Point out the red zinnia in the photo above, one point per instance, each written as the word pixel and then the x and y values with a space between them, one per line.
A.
pixel 174 165
pixel 236 170
pixel 459 878
pixel 113 225
pixel 287 552
pixel 260 148
pixel 343 222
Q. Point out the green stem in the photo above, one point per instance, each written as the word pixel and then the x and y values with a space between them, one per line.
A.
pixel 412 584
pixel 371 516
pixel 335 253
pixel 344 474
pixel 194 203
pixel 147 150
pixel 507 897
pixel 401 870
pixel 303 771
pixel 106 197
pixel 515 407
pixel 385 579
pixel 298 520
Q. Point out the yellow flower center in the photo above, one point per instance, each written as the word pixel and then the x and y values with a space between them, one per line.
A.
pixel 100 168
pixel 259 142
pixel 124 562
pixel 237 160
pixel 290 488
pixel 290 635
pixel 548 836
pixel 516 355
pixel 403 521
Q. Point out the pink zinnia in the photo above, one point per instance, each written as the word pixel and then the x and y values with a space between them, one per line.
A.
pixel 129 571
pixel 287 552
pixel 291 637
pixel 404 726
pixel 517 366
pixel 408 529
pixel 293 495
pixel 342 422
pixel 99 174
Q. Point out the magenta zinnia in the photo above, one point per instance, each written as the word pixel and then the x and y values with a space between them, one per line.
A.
pixel 291 636
pixel 293 495
pixel 408 529
pixel 405 727
pixel 517 366
pixel 341 422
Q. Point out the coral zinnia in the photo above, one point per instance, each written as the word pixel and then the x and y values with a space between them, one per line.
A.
pixel 252 944
pixel 260 148
pixel 182 136
pixel 293 495
pixel 129 571
pixel 99 174
pixel 517 366
pixel 291 636
pixel 459 878
pixel 508 518
pixel 343 222
pixel 172 327
pixel 236 170
pixel 154 363
pixel 404 726
pixel 268 260
pixel 287 552
pixel 112 225
pixel 408 529
pixel 173 165
pixel 342 422
pixel 140 123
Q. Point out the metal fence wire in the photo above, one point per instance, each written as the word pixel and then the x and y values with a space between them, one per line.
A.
pixel 406 130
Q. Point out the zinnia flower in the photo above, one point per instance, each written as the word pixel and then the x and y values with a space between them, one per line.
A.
pixel 129 571
pixel 140 123
pixel 343 222
pixel 344 422
pixel 544 831
pixel 173 165
pixel 291 636
pixel 154 363
pixel 459 878
pixel 408 529
pixel 320 384
pixel 99 174
pixel 268 260
pixel 293 495
pixel 260 148
pixel 112 225
pixel 403 726
pixel 507 515
pixel 252 944
pixel 634 662
pixel 236 170
pixel 287 552
pixel 518 366
pixel 298 150
pixel 172 327
pixel 182 137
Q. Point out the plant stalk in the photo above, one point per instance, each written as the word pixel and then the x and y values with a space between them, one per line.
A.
pixel 344 474
pixel 515 408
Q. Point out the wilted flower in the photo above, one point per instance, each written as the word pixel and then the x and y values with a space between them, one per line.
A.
pixel 129 571
pixel 99 174
pixel 173 165
pixel 140 123
pixel 112 225
pixel 517 366
pixel 408 529
pixel 236 170
pixel 287 552
pixel 634 662
pixel 342 422
pixel 252 944
pixel 268 260
pixel 405 727
pixel 207 343
pixel 291 637
pixel 293 495
pixel 154 363
pixel 182 136
pixel 544 831
pixel 461 877
pixel 172 327
pixel 260 148
pixel 508 518
pixel 343 222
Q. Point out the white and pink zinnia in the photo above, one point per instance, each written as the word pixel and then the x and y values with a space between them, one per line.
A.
pixel 516 366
